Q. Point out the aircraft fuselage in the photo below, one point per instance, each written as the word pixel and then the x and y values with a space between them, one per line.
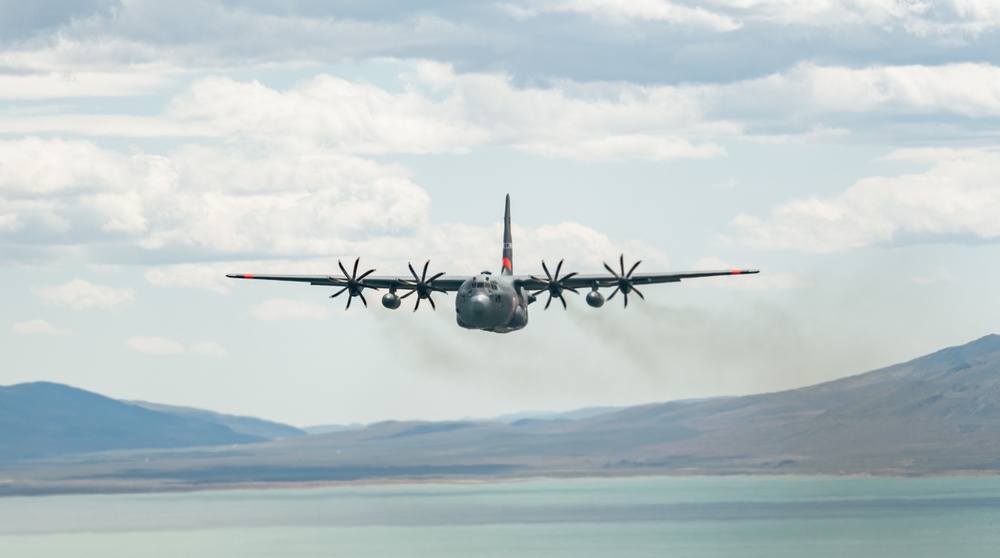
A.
pixel 491 303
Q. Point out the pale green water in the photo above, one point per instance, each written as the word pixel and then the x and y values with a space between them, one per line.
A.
pixel 676 517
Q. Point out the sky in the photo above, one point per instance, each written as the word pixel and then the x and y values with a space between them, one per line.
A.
pixel 849 149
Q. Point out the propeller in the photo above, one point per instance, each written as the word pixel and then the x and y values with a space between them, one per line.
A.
pixel 354 285
pixel 625 284
pixel 554 285
pixel 423 286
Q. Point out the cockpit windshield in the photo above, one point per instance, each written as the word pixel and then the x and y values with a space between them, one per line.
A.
pixel 482 285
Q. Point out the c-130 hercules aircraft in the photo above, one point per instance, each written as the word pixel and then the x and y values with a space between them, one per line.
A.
pixel 487 302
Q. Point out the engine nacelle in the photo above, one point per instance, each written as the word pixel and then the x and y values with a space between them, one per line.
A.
pixel 595 299
pixel 391 301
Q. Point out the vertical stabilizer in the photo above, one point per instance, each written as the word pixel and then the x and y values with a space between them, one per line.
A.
pixel 508 250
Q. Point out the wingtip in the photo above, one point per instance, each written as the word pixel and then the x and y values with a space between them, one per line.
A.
pixel 240 275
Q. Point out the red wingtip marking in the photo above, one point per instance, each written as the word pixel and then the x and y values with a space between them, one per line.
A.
pixel 736 272
pixel 248 276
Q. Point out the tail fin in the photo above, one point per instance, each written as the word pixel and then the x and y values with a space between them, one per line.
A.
pixel 508 251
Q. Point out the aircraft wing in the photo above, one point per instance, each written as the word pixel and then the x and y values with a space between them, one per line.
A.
pixel 445 282
pixel 581 281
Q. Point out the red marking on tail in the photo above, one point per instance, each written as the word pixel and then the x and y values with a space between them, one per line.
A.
pixel 506 263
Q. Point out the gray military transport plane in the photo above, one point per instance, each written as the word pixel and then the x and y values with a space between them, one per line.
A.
pixel 489 302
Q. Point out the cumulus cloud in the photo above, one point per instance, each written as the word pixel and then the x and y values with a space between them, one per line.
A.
pixel 57 84
pixel 22 19
pixel 968 89
pixel 439 110
pixel 213 199
pixel 568 120
pixel 941 275
pixel 140 46
pixel 38 327
pixel 623 11
pixel 34 166
pixel 286 309
pixel 583 247
pixel 358 117
pixel 943 18
pixel 154 345
pixel 959 196
pixel 140 40
pixel 218 202
pixel 9 222
pixel 79 295
pixel 874 13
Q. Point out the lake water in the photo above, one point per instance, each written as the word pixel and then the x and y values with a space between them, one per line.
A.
pixel 673 517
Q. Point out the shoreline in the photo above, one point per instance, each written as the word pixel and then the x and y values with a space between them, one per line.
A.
pixel 10 488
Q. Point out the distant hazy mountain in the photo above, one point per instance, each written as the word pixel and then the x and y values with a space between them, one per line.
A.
pixel 519 418
pixel 44 419
pixel 938 414
pixel 327 428
pixel 522 417
pixel 241 425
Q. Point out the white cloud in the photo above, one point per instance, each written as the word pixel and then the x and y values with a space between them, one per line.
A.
pixel 648 147
pixel 958 196
pixel 64 66
pixel 190 276
pixel 79 295
pixel 68 83
pixel 566 120
pixel 285 309
pixel 154 345
pixel 144 47
pixel 970 89
pixel 821 103
pixel 218 201
pixel 103 125
pixel 439 111
pixel 9 222
pixel 622 11
pixel 922 19
pixel 39 327
pixel 209 349
pixel 359 117
pixel 38 166
pixel 583 248
pixel 941 275
pixel 212 199
pixel 829 13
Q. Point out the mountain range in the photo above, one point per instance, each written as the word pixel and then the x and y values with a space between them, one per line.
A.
pixel 935 415
pixel 44 419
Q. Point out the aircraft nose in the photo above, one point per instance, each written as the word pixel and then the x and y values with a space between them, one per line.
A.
pixel 480 306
